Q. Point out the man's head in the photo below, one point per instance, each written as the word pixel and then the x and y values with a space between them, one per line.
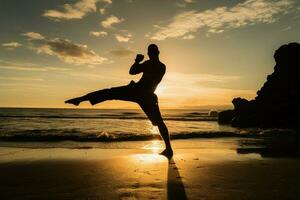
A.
pixel 153 51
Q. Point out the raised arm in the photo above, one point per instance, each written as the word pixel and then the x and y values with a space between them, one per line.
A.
pixel 137 68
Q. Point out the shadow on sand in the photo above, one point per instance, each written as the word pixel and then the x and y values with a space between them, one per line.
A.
pixel 175 187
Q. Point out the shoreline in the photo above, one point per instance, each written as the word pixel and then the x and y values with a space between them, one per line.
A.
pixel 200 169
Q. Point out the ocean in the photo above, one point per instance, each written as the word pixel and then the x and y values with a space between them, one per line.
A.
pixel 108 125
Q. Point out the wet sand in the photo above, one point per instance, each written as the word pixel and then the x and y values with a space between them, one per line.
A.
pixel 215 170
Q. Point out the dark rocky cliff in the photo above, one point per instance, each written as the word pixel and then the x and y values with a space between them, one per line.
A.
pixel 277 102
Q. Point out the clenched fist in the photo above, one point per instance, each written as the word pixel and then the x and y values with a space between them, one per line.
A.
pixel 139 57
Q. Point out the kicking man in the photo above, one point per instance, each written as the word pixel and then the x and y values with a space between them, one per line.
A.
pixel 141 92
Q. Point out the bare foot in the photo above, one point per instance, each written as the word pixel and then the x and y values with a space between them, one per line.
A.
pixel 167 152
pixel 75 101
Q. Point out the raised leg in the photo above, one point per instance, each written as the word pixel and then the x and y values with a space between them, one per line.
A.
pixel 93 97
pixel 124 93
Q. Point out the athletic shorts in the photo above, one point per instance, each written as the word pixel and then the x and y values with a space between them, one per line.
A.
pixel 134 93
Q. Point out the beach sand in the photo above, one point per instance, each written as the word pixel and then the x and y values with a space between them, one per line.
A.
pixel 200 169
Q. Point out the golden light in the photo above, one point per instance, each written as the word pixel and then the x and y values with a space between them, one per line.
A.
pixel 155 146
pixel 153 130
pixel 149 158
pixel 160 89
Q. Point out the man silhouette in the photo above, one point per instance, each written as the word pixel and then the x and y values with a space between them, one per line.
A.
pixel 141 92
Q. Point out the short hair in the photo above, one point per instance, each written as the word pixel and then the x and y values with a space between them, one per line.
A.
pixel 153 48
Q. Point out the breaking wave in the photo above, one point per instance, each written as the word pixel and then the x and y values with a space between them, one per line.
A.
pixel 77 135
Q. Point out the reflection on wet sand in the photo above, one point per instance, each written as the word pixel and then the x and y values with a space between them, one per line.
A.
pixel 279 146
pixel 211 169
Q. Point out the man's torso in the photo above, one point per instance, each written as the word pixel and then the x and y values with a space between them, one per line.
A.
pixel 153 71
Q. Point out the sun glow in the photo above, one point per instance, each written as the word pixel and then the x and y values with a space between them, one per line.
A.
pixel 160 89
pixel 149 158
pixel 153 130
pixel 155 146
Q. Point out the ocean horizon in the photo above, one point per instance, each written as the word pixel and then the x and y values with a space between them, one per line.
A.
pixel 111 125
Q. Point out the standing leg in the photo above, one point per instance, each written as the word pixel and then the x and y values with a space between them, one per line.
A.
pixel 151 109
pixel 163 130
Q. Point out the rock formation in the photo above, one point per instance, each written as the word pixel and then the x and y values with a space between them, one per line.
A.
pixel 277 102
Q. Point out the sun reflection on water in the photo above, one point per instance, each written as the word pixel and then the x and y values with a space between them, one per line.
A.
pixel 153 129
pixel 155 146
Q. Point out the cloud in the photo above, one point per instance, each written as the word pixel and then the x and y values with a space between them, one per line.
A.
pixel 28 67
pixel 217 20
pixel 181 5
pixel 23 68
pixel 286 28
pixel 12 45
pixel 196 78
pixel 98 33
pixel 65 50
pixel 189 84
pixel 102 11
pixel 20 79
pixel 104 8
pixel 93 76
pixel 111 20
pixel 182 89
pixel 70 52
pixel 33 36
pixel 74 11
pixel 121 52
pixel 107 1
pixel 188 37
pixel 124 37
pixel 184 3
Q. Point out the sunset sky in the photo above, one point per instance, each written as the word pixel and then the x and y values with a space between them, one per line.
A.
pixel 214 50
